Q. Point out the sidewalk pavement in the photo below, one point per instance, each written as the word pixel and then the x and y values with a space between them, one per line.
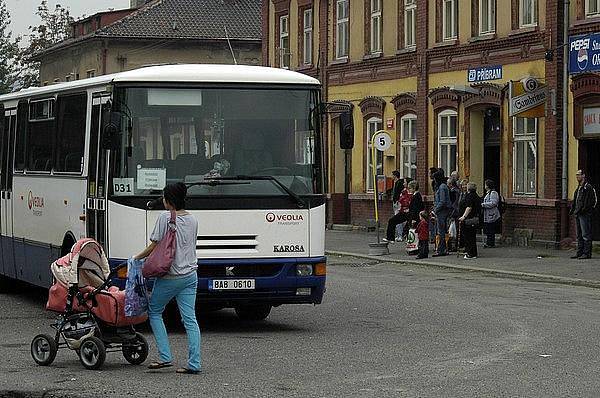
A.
pixel 544 265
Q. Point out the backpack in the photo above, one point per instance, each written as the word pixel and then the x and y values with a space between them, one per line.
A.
pixel 501 204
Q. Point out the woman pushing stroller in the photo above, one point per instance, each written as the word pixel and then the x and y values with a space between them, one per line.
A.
pixel 180 283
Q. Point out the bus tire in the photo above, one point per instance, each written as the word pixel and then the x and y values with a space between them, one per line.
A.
pixel 253 312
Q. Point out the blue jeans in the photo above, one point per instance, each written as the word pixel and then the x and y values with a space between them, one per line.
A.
pixel 184 291
pixel 441 229
pixel 584 235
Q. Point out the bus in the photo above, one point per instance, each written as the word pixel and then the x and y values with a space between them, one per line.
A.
pixel 89 158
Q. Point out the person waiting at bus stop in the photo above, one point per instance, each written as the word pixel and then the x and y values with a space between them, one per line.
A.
pixel 441 210
pixel 402 215
pixel 180 283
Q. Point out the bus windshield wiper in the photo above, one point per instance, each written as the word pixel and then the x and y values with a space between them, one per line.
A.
pixel 299 201
pixel 213 182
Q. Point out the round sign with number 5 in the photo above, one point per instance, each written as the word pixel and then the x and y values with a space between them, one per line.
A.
pixel 382 141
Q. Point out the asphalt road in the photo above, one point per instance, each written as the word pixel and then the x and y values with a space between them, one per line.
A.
pixel 383 331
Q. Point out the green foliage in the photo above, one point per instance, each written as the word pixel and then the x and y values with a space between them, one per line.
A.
pixel 55 27
pixel 9 52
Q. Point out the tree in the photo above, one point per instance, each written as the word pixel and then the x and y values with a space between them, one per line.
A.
pixel 9 51
pixel 55 27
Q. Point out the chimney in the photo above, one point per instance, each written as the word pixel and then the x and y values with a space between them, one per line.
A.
pixel 137 3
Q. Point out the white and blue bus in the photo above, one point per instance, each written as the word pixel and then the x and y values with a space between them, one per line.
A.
pixel 89 158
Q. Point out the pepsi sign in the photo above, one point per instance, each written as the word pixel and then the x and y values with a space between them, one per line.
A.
pixel 584 53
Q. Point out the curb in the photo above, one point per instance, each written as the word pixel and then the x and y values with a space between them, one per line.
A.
pixel 508 274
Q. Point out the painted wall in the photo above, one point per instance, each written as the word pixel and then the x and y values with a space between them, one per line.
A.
pixel 356 93
pixel 126 56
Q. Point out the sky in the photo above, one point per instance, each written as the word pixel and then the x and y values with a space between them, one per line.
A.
pixel 23 11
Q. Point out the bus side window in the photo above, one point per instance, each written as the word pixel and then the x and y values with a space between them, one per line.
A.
pixel 70 137
pixel 40 135
pixel 22 126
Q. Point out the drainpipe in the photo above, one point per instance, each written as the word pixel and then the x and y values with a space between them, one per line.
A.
pixel 565 121
pixel 104 55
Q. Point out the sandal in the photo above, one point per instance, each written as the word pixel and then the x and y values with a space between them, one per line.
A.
pixel 159 365
pixel 187 371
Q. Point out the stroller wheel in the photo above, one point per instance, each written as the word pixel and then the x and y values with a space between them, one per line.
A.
pixel 136 352
pixel 92 353
pixel 43 349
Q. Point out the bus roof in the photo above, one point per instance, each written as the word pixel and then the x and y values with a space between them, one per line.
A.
pixel 176 73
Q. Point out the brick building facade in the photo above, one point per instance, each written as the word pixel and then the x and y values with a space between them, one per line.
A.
pixel 437 75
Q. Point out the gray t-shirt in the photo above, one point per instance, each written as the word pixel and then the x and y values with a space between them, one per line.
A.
pixel 185 261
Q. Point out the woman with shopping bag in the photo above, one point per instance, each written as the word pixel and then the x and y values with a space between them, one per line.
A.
pixel 180 282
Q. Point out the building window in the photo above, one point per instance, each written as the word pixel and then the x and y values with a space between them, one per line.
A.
pixel 487 16
pixel 592 8
pixel 374 124
pixel 284 42
pixel 376 29
pixel 525 155
pixel 342 29
pixel 410 23
pixel 308 36
pixel 527 13
pixel 408 147
pixel 68 78
pixel 450 19
pixel 447 146
pixel 91 73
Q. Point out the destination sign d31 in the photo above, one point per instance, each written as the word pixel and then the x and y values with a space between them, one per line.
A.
pixel 485 73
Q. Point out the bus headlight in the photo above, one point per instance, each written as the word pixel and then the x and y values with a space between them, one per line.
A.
pixel 304 269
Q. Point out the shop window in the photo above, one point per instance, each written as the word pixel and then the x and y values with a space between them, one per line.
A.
pixel 70 133
pixel 40 133
pixel 408 146
pixel 447 143
pixel 527 13
pixel 525 155
pixel 374 124
pixel 376 26
pixel 450 19
pixel 308 36
pixel 592 8
pixel 410 23
pixel 284 42
pixel 487 17
pixel 342 29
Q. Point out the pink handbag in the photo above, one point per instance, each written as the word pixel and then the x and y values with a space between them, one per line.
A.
pixel 159 262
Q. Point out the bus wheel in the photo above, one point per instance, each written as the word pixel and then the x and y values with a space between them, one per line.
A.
pixel 253 312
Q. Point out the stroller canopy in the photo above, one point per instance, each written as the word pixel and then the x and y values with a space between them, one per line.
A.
pixel 85 265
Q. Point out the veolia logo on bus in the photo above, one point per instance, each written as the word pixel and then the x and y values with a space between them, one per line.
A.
pixel 284 219
pixel 35 203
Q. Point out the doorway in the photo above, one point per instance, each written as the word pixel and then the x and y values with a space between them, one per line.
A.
pixel 492 133
pixel 591 165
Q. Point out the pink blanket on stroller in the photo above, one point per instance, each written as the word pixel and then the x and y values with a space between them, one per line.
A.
pixel 110 308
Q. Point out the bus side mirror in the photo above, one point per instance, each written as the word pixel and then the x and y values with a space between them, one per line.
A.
pixel 111 129
pixel 346 130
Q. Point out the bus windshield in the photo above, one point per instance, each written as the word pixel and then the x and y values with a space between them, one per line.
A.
pixel 195 135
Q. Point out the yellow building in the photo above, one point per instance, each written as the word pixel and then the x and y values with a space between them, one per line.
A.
pixel 474 86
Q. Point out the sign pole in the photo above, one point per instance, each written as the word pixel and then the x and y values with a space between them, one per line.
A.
pixel 380 141
pixel 374 166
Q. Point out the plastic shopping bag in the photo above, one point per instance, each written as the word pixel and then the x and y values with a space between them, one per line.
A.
pixel 136 295
pixel 452 233
pixel 412 244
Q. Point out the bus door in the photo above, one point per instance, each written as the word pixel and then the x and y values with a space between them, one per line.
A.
pixel 97 173
pixel 6 195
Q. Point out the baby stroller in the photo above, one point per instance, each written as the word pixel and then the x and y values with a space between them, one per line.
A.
pixel 92 319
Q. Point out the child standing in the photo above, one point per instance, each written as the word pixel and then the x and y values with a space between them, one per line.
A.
pixel 423 234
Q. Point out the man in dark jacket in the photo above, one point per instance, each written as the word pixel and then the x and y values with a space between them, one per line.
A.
pixel 442 207
pixel 584 202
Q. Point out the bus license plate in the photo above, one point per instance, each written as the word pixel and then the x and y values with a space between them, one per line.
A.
pixel 231 284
